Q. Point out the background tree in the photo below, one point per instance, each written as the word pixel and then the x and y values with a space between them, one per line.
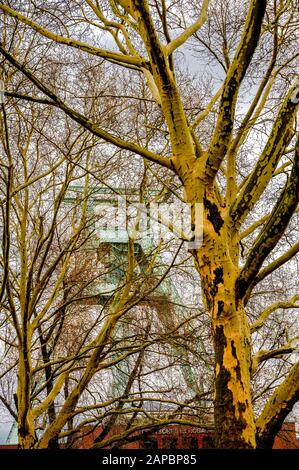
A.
pixel 81 357
pixel 236 157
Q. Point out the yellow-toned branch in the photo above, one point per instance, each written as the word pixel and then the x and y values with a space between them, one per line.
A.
pixel 264 355
pixel 260 96
pixel 266 165
pixel 82 120
pixel 223 131
pixel 271 232
pixel 182 142
pixel 277 263
pixel 207 109
pixel 260 321
pixel 122 59
pixel 278 407
pixel 44 405
pixel 111 26
pixel 188 32
pixel 256 225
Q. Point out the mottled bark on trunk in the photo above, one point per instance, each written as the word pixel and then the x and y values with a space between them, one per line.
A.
pixel 217 263
pixel 26 430
pixel 233 414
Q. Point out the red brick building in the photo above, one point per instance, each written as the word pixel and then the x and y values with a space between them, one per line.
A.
pixel 176 437
pixel 183 437
pixel 287 438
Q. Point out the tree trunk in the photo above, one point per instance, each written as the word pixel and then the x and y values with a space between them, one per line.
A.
pixel 233 413
pixel 217 263
pixel 26 430
pixel 49 384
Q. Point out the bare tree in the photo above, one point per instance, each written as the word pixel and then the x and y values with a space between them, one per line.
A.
pixel 81 355
pixel 234 152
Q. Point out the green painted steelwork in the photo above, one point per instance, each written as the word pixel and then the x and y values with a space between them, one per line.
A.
pixel 118 252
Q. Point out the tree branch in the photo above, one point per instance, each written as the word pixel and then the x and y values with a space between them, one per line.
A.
pixel 185 35
pixel 272 231
pixel 277 263
pixel 9 408
pixel 268 161
pixel 258 223
pixel 33 99
pixel 236 72
pixel 183 146
pixel 202 115
pixel 82 120
pixel 264 355
pixel 277 408
pixel 266 84
pixel 260 321
pixel 121 59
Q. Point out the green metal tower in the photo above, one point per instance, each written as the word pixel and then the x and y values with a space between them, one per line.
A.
pixel 113 242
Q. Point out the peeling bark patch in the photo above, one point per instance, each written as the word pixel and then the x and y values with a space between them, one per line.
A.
pixel 234 352
pixel 214 215
pixel 220 344
pixel 220 308
pixel 218 279
pixel 241 407
pixel 241 288
pixel 229 417
pixel 218 276
pixel 207 292
pixel 236 368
